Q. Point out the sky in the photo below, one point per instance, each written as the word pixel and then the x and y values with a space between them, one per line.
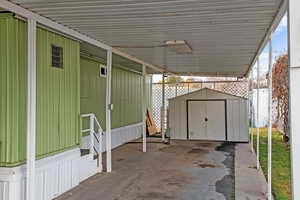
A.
pixel 279 44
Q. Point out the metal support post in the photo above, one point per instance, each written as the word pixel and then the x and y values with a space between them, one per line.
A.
pixel 294 92
pixel 162 126
pixel 270 123
pixel 108 111
pixel 144 109
pixel 31 111
pixel 257 115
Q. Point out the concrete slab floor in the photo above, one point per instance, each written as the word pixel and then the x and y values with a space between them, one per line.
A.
pixel 183 170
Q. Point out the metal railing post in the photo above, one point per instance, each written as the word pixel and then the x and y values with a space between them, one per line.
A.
pixel 100 150
pixel 92 130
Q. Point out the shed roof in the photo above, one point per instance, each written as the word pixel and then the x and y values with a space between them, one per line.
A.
pixel 225 35
pixel 208 89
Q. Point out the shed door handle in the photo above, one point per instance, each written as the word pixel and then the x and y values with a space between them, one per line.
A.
pixel 206 119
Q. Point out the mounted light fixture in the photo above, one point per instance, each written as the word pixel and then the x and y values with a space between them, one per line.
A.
pixel 179 46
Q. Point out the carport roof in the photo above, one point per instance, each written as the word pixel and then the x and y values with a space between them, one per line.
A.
pixel 225 35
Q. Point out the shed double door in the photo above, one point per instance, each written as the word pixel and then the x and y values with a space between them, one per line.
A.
pixel 206 120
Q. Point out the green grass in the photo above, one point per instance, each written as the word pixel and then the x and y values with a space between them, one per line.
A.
pixel 281 165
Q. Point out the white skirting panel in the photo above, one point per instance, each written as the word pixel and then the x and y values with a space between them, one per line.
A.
pixel 60 173
pixel 119 136
pixel 54 176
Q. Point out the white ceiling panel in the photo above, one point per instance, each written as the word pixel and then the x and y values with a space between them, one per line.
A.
pixel 224 35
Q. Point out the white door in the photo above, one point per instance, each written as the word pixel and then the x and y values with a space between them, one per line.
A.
pixel 206 120
pixel 215 120
pixel 196 120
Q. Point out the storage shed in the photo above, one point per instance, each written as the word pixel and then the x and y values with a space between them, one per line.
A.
pixel 208 114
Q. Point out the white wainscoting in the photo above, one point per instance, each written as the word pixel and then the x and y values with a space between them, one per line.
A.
pixel 60 173
pixel 54 176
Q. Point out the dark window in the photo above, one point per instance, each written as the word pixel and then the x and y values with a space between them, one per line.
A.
pixel 57 56
pixel 103 71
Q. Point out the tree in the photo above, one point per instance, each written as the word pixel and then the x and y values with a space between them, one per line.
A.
pixel 191 84
pixel 281 91
pixel 174 79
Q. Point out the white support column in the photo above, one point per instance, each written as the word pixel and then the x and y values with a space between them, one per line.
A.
pixel 294 70
pixel 31 111
pixel 257 115
pixel 144 99
pixel 109 107
pixel 162 124
pixel 249 106
pixel 270 122
pixel 251 109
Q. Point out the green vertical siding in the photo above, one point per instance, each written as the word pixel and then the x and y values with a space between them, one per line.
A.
pixel 58 93
pixel 126 94
pixel 126 97
pixel 13 69
pixel 92 91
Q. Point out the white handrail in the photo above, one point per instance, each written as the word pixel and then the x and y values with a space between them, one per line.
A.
pixel 95 118
pixel 93 134
pixel 86 115
pixel 98 124
pixel 85 130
